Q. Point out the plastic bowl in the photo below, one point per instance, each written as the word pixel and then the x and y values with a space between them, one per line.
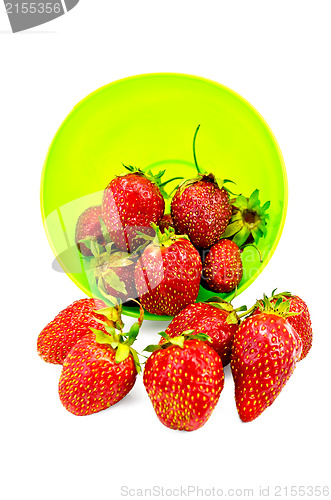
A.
pixel 149 120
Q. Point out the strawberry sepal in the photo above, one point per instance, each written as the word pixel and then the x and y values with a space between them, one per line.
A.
pixel 179 340
pixel 232 318
pixel 155 178
pixel 119 341
pixel 248 222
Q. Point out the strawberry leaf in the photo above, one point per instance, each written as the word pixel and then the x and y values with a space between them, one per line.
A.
pixel 241 308
pixel 263 228
pixel 284 306
pixel 101 337
pixel 95 248
pixel 178 341
pixel 164 335
pixel 241 236
pixel 254 199
pixel 122 352
pixel 232 318
pixel 199 336
pixel 120 259
pixel 233 228
pixel 278 302
pixel 133 333
pixel 113 281
pixel 86 242
pixel 111 313
pixel 153 347
pixel 241 202
pixel 265 206
pixel 104 231
pixel 135 359
pixel 110 330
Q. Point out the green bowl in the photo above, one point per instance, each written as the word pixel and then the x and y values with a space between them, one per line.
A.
pixel 149 120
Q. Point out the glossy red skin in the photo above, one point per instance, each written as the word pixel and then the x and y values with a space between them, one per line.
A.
pixel 130 203
pixel 222 268
pixel 301 323
pixel 88 226
pixel 168 278
pixel 165 222
pixel 126 275
pixel 202 211
pixel 67 328
pixel 204 318
pixel 184 384
pixel 264 353
pixel 91 380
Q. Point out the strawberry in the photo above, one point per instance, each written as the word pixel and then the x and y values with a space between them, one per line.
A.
pixel 248 220
pixel 168 273
pixel 184 379
pixel 222 267
pixel 216 318
pixel 264 353
pixel 88 227
pixel 68 327
pixel 131 202
pixel 165 222
pixel 201 207
pixel 99 371
pixel 300 322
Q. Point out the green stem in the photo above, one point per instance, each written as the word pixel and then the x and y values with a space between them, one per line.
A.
pixel 194 155
pixel 248 311
pixel 254 246
pixel 241 308
pixel 170 180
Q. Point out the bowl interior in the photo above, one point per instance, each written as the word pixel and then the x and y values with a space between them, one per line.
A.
pixel 149 120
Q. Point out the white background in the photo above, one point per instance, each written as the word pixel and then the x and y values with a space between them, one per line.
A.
pixel 274 53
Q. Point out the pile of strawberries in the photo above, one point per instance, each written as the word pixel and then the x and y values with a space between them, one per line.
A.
pixel 135 250
pixel 184 374
pixel 139 255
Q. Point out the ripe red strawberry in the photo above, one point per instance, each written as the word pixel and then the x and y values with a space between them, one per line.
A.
pixel 131 202
pixel 201 207
pixel 300 322
pixel 99 370
pixel 168 273
pixel 265 350
pixel 216 318
pixel 88 227
pixel 165 222
pixel 184 379
pixel 222 267
pixel 68 327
